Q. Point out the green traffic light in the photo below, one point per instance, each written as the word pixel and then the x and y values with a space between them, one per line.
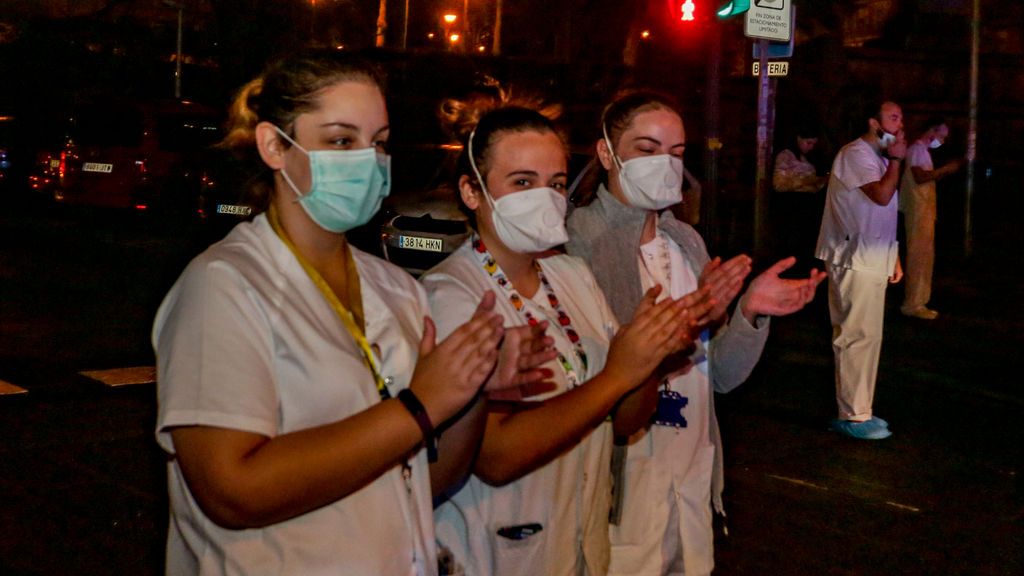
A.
pixel 733 8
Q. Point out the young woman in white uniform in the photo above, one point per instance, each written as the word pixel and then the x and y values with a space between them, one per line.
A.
pixel 673 465
pixel 538 500
pixel 298 377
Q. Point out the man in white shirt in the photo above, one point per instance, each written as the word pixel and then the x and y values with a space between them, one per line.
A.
pixel 917 202
pixel 857 241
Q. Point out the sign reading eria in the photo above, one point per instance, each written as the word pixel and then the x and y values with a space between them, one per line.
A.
pixel 769 20
pixel 775 68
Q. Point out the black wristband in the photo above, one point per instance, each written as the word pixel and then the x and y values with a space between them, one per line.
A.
pixel 415 407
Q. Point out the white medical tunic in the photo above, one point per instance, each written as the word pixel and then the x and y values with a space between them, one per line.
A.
pixel 570 497
pixel 666 524
pixel 246 341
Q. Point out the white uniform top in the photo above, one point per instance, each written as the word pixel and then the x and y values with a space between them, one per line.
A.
pixel 855 232
pixel 666 513
pixel 570 496
pixel 246 341
pixel 911 190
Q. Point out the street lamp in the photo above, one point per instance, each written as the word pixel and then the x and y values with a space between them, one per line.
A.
pixel 449 18
pixel 177 59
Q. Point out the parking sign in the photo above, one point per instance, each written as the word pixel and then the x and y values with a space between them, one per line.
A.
pixel 769 20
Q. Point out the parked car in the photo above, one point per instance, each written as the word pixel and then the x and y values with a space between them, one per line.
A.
pixel 8 153
pixel 138 155
pixel 420 223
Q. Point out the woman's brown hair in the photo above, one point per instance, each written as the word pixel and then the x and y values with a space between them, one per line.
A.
pixel 287 88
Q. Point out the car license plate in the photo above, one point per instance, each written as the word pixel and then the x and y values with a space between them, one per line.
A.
pixel 418 243
pixel 235 209
pixel 97 167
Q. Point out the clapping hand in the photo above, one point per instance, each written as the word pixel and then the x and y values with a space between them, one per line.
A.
pixel 522 352
pixel 770 295
pixel 724 280
pixel 448 375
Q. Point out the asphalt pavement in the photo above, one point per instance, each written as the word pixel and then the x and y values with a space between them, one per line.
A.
pixel 82 487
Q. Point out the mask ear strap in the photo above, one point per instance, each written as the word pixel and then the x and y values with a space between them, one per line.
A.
pixel 472 164
pixel 611 149
pixel 289 139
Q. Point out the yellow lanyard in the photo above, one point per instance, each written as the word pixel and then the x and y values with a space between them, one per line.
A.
pixel 353 320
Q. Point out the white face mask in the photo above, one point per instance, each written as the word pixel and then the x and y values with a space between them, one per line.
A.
pixel 528 221
pixel 935 143
pixel 649 182
pixel 885 139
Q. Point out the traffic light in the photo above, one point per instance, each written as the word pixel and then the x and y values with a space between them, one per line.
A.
pixel 733 8
pixel 686 11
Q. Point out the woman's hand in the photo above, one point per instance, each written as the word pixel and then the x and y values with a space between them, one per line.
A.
pixel 656 330
pixel 770 295
pixel 521 354
pixel 448 375
pixel 724 281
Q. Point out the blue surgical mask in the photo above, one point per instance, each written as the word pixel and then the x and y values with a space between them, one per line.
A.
pixel 935 143
pixel 346 186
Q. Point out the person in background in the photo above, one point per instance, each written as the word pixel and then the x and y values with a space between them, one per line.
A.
pixel 539 497
pixel 797 200
pixel 857 241
pixel 917 202
pixel 300 387
pixel 673 466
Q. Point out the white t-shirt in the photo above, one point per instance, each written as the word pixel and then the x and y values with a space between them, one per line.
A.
pixel 245 340
pixel 570 496
pixel 855 232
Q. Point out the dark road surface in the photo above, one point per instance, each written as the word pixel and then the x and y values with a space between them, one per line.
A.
pixel 82 487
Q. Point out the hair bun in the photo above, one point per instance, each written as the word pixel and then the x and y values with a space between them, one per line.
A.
pixel 460 116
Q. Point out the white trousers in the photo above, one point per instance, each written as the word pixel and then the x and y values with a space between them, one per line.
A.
pixel 856 302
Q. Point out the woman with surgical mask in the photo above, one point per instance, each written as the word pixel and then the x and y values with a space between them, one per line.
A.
pixel 301 392
pixel 672 473
pixel 539 496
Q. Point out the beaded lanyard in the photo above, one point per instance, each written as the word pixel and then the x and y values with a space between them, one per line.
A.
pixel 564 322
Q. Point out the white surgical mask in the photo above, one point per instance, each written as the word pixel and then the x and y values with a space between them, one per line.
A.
pixel 649 182
pixel 528 221
pixel 885 139
pixel 935 143
pixel 347 186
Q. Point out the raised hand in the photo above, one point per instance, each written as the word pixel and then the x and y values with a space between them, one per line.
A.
pixel 656 330
pixel 770 295
pixel 448 375
pixel 724 281
pixel 521 354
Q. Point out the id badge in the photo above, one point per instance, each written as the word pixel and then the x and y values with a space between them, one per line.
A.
pixel 670 409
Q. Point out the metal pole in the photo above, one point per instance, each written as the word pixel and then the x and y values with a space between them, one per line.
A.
pixel 405 26
pixel 709 198
pixel 496 46
pixel 972 129
pixel 465 26
pixel 177 59
pixel 763 150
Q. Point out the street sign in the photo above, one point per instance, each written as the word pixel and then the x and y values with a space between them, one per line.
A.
pixel 769 20
pixel 775 68
pixel 775 49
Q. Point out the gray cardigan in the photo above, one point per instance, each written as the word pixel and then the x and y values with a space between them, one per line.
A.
pixel 606 234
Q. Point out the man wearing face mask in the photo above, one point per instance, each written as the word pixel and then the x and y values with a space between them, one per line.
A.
pixel 917 202
pixel 857 241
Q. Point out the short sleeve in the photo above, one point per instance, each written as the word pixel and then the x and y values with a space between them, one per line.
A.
pixel 452 303
pixel 214 355
pixel 859 165
pixel 917 155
